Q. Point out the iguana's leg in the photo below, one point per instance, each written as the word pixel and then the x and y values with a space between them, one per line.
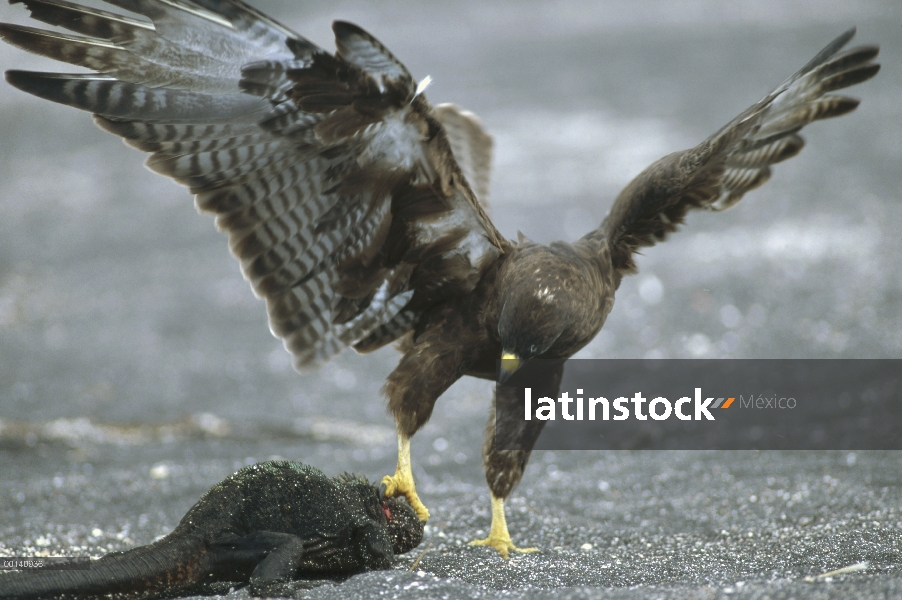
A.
pixel 271 557
pixel 279 567
pixel 508 443
pixel 428 368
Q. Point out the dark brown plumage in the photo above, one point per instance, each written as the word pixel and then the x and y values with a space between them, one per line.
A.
pixel 355 207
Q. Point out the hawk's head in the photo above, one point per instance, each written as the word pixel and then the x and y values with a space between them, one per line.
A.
pixel 549 307
pixel 533 317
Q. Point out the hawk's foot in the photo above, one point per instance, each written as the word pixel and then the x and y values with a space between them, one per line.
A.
pixel 499 538
pixel 502 544
pixel 401 483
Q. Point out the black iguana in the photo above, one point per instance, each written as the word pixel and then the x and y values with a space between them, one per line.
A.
pixel 264 525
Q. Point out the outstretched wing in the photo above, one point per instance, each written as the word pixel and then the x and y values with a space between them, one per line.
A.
pixel 331 173
pixel 716 173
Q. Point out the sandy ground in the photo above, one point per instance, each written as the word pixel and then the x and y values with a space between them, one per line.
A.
pixel 136 368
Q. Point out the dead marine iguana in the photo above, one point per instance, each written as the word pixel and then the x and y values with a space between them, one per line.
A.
pixel 264 525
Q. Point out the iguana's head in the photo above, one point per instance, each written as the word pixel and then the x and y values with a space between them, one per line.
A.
pixel 404 527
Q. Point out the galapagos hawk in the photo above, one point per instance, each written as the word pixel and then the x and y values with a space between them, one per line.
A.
pixel 355 206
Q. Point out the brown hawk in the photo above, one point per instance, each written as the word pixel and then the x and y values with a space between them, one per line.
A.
pixel 353 205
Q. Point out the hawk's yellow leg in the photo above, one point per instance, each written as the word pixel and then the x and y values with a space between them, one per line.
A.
pixel 401 483
pixel 499 538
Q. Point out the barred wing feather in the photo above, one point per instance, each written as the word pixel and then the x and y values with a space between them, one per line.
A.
pixel 331 174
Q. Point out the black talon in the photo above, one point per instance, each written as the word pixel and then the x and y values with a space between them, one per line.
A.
pixel 382 489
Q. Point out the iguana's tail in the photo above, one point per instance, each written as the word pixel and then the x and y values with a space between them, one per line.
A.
pixel 159 569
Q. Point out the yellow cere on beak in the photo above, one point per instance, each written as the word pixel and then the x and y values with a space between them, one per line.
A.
pixel 509 362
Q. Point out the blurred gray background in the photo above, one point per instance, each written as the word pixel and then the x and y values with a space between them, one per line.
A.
pixel 136 366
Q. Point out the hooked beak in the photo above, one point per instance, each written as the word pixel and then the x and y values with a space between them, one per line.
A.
pixel 509 363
